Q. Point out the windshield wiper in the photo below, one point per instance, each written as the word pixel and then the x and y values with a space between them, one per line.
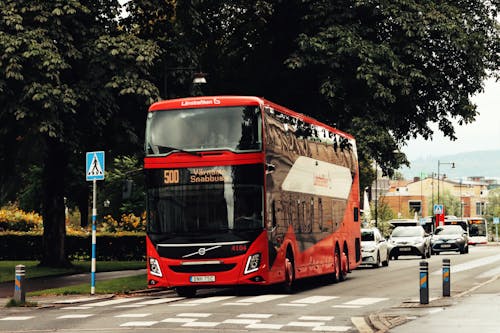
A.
pixel 174 149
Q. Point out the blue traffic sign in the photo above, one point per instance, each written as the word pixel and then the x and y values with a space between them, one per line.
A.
pixel 438 209
pixel 496 220
pixel 94 169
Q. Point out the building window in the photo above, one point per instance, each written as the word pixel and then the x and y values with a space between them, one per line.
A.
pixel 415 206
pixel 480 208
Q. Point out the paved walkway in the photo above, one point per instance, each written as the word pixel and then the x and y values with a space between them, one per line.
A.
pixel 35 284
pixel 475 311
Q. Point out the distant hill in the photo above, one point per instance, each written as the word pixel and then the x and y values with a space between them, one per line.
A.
pixel 477 163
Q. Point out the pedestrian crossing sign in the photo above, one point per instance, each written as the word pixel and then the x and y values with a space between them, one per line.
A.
pixel 438 209
pixel 95 165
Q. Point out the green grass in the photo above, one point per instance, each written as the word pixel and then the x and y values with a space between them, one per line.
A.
pixel 7 268
pixel 114 286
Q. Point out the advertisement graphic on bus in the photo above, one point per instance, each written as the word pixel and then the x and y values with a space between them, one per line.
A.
pixel 241 191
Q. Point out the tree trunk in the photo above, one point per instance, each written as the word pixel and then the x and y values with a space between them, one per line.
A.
pixel 54 221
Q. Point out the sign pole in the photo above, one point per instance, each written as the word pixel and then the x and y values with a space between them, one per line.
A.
pixel 94 166
pixel 94 237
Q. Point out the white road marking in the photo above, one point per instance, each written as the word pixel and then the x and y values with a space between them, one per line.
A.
pixel 291 304
pixel 14 318
pixel 241 321
pixel 133 315
pixel 305 323
pixel 318 318
pixel 208 300
pixel 345 306
pixel 116 301
pixel 261 299
pixel 195 315
pixel 76 308
pixel 265 326
pixel 365 301
pixel 490 273
pixel 332 328
pixel 314 299
pixel 470 264
pixel 160 301
pixel 255 315
pixel 75 316
pixel 139 323
pixel 179 320
pixel 201 324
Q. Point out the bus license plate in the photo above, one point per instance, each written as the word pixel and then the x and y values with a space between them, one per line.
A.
pixel 405 249
pixel 202 278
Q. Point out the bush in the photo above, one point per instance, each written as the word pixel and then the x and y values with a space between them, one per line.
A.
pixel 128 222
pixel 121 246
pixel 14 219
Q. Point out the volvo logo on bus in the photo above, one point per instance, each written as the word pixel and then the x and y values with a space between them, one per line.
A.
pixel 201 251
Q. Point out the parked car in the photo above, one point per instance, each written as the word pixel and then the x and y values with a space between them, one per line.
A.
pixel 409 241
pixel 450 238
pixel 374 249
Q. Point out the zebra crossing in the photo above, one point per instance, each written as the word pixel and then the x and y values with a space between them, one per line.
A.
pixel 135 312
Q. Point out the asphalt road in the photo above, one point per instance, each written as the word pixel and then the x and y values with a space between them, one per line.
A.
pixel 387 296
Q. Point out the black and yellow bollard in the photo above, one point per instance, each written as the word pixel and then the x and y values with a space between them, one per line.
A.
pixel 19 292
pixel 446 277
pixel 424 282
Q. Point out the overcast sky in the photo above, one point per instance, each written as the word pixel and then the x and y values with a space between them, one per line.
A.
pixel 483 134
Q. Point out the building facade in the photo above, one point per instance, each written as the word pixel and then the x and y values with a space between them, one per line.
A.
pixel 415 199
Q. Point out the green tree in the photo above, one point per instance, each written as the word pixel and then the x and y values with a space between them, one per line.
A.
pixel 71 81
pixel 493 208
pixel 124 188
pixel 385 214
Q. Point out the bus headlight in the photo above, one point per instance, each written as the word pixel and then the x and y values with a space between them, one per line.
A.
pixel 154 267
pixel 253 263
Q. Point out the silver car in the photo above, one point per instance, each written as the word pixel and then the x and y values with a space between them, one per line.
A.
pixel 409 241
pixel 374 249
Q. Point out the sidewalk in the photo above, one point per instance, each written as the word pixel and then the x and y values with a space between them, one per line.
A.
pixel 35 284
pixel 475 311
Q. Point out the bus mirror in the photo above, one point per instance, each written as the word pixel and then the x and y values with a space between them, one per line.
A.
pixel 270 168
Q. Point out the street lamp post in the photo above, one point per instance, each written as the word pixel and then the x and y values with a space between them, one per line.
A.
pixel 198 77
pixel 439 164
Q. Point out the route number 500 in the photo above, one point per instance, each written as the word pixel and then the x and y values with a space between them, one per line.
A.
pixel 171 176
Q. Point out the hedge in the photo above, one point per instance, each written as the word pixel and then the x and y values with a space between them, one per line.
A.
pixel 109 247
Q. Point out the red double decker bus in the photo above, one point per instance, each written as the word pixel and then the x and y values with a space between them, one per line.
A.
pixel 241 191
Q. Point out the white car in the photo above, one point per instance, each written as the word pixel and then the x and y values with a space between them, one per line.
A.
pixel 374 249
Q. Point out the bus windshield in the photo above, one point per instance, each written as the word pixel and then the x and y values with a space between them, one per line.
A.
pixel 477 228
pixel 205 200
pixel 237 128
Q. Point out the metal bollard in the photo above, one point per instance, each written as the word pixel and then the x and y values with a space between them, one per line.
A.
pixel 19 292
pixel 446 277
pixel 424 282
